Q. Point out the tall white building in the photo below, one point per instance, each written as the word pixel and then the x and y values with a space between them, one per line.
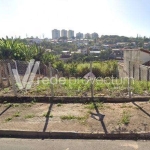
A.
pixel 63 33
pixel 55 34
pixel 87 36
pixel 94 35
pixel 70 34
pixel 79 35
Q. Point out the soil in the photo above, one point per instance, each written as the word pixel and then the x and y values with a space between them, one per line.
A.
pixel 108 118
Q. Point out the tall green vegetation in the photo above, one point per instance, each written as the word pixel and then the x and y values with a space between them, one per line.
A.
pixel 17 50
pixel 100 69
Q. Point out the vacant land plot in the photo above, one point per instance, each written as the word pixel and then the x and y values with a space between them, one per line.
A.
pixel 93 117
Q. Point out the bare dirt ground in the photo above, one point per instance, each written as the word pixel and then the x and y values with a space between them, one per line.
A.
pixel 94 117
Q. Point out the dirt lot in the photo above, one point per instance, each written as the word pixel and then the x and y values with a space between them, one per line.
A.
pixel 93 117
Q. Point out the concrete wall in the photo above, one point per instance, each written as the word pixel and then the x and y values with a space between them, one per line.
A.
pixel 138 72
pixel 144 73
pixel 136 58
pixel 132 56
pixel 144 57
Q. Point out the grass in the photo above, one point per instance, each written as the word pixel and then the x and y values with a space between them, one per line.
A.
pixel 59 104
pixel 71 117
pixel 26 105
pixel 8 105
pixel 46 115
pixel 15 105
pixel 102 86
pixel 8 119
pixel 17 114
pixel 92 106
pixel 125 119
pixel 29 116
pixel 6 90
pixel 33 101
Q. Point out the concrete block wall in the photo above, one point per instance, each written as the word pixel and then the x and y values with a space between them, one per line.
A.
pixel 144 72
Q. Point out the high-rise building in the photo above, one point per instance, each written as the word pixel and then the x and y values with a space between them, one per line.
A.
pixel 94 35
pixel 79 35
pixel 87 36
pixel 55 34
pixel 63 33
pixel 70 34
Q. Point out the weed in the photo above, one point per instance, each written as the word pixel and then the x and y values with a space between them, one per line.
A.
pixel 59 105
pixel 29 105
pixel 8 105
pixel 15 105
pixel 125 119
pixel 33 101
pixel 6 90
pixel 8 119
pixel 29 116
pixel 71 117
pixel 26 105
pixel 17 114
pixel 89 111
pixel 46 115
pixel 92 106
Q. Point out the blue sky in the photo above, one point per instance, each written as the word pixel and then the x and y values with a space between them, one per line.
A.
pixel 106 17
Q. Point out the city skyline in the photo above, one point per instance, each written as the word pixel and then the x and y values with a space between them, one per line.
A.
pixel 105 17
pixel 56 33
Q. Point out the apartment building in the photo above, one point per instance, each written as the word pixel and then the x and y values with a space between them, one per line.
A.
pixel 87 36
pixel 55 34
pixel 63 33
pixel 94 35
pixel 70 34
pixel 79 35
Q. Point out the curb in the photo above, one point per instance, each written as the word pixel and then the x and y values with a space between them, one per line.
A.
pixel 73 135
pixel 38 99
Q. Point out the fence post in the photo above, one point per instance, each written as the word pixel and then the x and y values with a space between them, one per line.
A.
pixel 139 72
pixel 92 92
pixel 12 80
pixel 129 81
pixel 1 84
pixel 147 76
pixel 7 75
pixel 51 85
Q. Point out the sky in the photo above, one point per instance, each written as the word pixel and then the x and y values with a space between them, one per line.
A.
pixel 106 17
